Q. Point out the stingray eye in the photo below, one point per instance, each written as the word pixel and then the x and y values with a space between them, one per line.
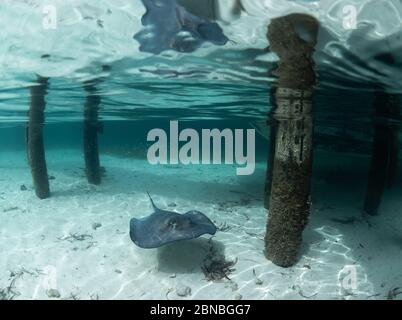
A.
pixel 173 224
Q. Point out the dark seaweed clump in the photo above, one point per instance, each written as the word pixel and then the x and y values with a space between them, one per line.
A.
pixel 215 266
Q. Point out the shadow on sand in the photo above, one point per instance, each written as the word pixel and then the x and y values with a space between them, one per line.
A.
pixel 187 256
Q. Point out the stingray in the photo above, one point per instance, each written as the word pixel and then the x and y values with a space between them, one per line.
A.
pixel 163 227
pixel 169 26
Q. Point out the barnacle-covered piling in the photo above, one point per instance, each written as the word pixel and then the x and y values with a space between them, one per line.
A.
pixel 289 202
pixel 384 158
pixel 34 138
pixel 90 134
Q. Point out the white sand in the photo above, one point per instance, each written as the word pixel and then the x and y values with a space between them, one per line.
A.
pixel 107 265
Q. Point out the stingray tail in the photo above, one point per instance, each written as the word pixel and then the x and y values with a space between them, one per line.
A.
pixel 152 202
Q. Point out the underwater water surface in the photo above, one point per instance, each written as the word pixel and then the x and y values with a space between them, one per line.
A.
pixel 75 244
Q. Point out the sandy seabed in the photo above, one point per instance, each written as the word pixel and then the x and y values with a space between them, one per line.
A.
pixel 76 244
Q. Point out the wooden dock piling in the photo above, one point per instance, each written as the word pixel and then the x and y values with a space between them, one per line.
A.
pixel 289 202
pixel 384 158
pixel 34 138
pixel 90 134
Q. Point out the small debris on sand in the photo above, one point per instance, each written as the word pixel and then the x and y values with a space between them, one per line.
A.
pixel 183 291
pixel 75 237
pixel 257 281
pixel 96 225
pixel 53 293
pixel 238 296
pixel 393 293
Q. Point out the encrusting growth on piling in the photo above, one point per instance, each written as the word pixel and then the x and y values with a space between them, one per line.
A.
pixel 34 137
pixel 289 202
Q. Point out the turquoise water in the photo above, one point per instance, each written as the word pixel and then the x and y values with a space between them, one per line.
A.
pixel 134 107
pixel 338 234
